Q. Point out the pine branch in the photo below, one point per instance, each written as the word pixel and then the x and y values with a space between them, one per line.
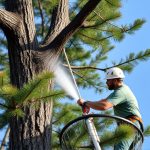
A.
pixel 6 93
pixel 42 16
pixel 15 112
pixel 86 67
pixel 3 119
pixel 141 56
pixel 33 88
pixel 5 138
pixel 87 80
pixel 113 3
pixel 75 24
pixel 122 132
pixel 124 29
pixel 136 25
pixel 30 94
pixel 73 9
pixel 63 114
pixel 147 131
pixel 56 131
pixel 54 94
pixel 4 106
pixel 104 21
pixel 90 38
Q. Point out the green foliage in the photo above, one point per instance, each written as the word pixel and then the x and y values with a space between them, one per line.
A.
pixel 62 114
pixel 13 99
pixel 3 58
pixel 132 60
pixel 3 78
pixel 114 3
pixel 123 132
pixel 68 112
pixel 136 25
pixel 92 42
pixel 147 131
pixel 3 119
pixel 34 89
pixel 15 112
pixel 46 9
pixel 87 80
pixel 74 56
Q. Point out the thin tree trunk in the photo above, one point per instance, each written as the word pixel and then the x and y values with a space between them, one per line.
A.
pixel 3 144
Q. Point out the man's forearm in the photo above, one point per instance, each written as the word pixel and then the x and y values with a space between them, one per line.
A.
pixel 103 104
pixel 96 105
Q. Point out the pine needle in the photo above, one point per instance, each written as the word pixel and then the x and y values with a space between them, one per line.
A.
pixel 34 88
pixel 123 132
pixel 147 131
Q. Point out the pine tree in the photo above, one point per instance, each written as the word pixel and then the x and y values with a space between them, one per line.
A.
pixel 82 27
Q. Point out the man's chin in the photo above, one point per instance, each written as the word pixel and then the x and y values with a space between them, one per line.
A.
pixel 110 88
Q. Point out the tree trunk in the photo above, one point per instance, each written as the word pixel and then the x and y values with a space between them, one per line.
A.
pixel 33 130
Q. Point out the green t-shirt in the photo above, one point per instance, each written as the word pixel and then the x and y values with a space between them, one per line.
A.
pixel 124 101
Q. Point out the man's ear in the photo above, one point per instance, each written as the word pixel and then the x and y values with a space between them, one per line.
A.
pixel 116 80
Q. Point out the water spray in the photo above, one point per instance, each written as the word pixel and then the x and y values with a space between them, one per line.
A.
pixel 72 74
pixel 90 125
pixel 63 79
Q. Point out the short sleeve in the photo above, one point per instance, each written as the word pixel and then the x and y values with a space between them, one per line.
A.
pixel 117 97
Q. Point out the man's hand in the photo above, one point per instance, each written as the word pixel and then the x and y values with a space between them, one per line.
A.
pixel 80 102
pixel 85 108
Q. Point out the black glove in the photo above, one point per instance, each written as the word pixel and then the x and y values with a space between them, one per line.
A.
pixel 85 108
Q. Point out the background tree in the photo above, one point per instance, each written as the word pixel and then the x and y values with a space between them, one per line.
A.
pixel 85 32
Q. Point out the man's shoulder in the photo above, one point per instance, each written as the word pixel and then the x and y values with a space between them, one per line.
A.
pixel 124 87
pixel 123 90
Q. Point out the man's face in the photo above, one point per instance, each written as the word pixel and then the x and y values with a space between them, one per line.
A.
pixel 111 83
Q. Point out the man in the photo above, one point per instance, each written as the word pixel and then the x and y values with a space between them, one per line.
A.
pixel 121 99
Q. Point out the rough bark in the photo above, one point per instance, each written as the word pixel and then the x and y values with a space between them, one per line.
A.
pixel 60 19
pixel 33 131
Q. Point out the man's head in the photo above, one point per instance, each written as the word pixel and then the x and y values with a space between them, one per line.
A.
pixel 114 77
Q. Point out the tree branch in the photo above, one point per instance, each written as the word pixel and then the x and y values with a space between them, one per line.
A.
pixel 117 65
pixel 5 138
pixel 86 80
pixel 9 20
pixel 3 105
pixel 105 20
pixel 86 67
pixel 90 38
pixel 60 19
pixel 42 17
pixel 73 26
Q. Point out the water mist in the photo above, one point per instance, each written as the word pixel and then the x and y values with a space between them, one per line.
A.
pixel 64 80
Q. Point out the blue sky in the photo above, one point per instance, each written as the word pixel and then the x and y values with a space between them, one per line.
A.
pixel 139 79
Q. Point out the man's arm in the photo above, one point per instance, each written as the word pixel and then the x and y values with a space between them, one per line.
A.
pixel 103 104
